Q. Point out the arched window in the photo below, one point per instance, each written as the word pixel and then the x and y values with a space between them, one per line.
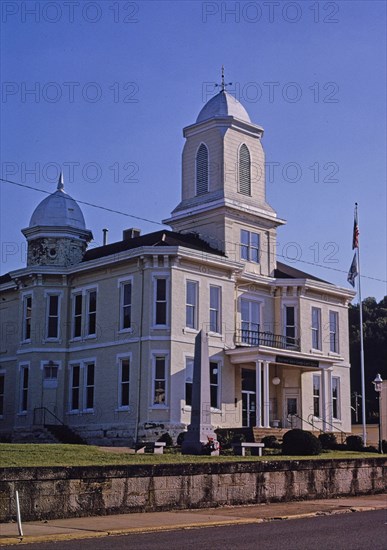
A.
pixel 202 170
pixel 244 171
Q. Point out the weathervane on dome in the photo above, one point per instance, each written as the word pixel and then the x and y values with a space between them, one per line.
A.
pixel 223 84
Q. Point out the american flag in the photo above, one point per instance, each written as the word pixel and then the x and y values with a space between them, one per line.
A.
pixel 355 238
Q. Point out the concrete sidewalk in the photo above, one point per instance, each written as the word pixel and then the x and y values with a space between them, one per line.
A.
pixel 101 526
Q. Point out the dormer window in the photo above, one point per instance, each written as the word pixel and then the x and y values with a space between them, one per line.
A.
pixel 244 171
pixel 202 170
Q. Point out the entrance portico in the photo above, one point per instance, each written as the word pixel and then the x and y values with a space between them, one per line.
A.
pixel 277 391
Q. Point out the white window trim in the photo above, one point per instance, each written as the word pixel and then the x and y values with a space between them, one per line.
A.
pixel 87 312
pixel 197 294
pixel 294 304
pixel 166 276
pixel 249 246
pixel 319 396
pixel 50 382
pixel 24 297
pixel 120 283
pixel 119 358
pixel 338 399
pixel 83 291
pixel 165 354
pixel 86 363
pixel 186 356
pixel 319 343
pixel 217 359
pixel 22 366
pixel 331 352
pixel 47 295
pixel 220 316
pixel 70 366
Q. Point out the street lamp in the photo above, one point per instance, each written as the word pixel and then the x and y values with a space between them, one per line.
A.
pixel 378 388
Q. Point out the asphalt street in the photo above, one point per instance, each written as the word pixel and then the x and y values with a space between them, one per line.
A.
pixel 350 531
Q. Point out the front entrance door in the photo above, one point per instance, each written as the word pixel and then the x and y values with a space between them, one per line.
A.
pixel 249 399
pixel 249 410
pixel 291 410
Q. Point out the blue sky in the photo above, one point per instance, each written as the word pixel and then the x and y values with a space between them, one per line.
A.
pixel 115 82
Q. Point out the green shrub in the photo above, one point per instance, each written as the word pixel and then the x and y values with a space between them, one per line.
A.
pixel 167 439
pixel 271 442
pixel 354 443
pixel 300 442
pixel 180 438
pixel 328 440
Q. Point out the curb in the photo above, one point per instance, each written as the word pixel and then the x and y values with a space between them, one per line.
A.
pixel 13 541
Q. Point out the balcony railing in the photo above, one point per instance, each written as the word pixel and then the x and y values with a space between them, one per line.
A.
pixel 258 338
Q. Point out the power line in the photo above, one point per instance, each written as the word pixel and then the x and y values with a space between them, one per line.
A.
pixel 199 234
pixel 86 203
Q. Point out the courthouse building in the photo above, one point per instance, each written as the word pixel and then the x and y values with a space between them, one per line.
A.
pixel 102 340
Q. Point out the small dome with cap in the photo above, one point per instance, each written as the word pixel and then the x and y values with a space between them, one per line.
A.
pixel 221 105
pixel 58 210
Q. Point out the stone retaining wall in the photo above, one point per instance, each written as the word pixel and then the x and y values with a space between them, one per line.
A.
pixel 49 493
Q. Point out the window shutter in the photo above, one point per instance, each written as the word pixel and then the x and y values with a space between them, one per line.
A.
pixel 202 170
pixel 244 171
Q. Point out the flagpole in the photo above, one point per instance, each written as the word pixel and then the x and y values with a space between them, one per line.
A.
pixel 363 404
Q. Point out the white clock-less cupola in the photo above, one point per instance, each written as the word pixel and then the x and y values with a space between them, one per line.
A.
pixel 57 234
pixel 223 185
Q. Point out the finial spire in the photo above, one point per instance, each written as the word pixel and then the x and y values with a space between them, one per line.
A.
pixel 223 85
pixel 60 182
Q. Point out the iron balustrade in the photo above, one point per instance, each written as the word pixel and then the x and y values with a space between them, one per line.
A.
pixel 269 339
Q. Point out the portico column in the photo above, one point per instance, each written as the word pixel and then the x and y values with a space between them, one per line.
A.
pixel 323 400
pixel 258 383
pixel 266 400
pixel 329 414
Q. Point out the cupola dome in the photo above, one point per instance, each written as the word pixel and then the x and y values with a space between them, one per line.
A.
pixel 58 210
pixel 221 105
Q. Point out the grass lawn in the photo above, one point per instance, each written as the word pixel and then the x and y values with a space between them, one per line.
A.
pixel 30 455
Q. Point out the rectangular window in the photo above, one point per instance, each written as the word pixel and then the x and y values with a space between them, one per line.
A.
pixel 126 306
pixel 50 371
pixel 189 362
pixel 316 395
pixel 77 316
pixel 2 392
pixel 124 382
pixel 316 328
pixel 24 375
pixel 191 304
pixel 249 246
pixel 91 312
pixel 27 314
pixel 215 305
pixel 159 384
pixel 52 316
pixel 334 331
pixel 290 326
pixel 161 302
pixel 336 398
pixel 214 384
pixel 75 388
pixel 89 385
pixel 250 321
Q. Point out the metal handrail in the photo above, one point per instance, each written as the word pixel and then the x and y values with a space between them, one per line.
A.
pixel 264 338
pixel 323 431
pixel 44 415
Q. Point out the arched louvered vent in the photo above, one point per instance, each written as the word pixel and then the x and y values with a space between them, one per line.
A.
pixel 244 171
pixel 202 170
